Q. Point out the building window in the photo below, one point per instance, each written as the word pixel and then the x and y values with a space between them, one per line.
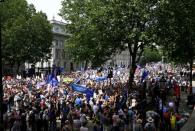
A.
pixel 62 44
pixel 57 43
pixel 41 64
pixel 63 54
pixel 56 29
pixel 57 54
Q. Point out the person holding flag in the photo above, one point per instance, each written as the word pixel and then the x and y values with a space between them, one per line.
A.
pixel 144 75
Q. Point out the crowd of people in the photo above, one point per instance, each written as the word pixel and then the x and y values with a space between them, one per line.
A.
pixel 31 104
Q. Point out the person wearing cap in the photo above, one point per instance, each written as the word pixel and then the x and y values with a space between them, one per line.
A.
pixel 150 126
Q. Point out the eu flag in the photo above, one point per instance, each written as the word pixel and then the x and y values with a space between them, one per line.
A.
pixel 82 89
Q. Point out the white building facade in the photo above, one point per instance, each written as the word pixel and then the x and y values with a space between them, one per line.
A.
pixel 59 55
pixel 120 59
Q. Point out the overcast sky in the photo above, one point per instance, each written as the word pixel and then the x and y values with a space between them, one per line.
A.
pixel 50 7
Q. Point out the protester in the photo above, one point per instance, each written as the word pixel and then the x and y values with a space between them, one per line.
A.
pixel 85 101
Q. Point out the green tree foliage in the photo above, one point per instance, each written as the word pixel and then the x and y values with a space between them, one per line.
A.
pixel 26 34
pixel 151 55
pixel 100 28
pixel 85 43
pixel 176 29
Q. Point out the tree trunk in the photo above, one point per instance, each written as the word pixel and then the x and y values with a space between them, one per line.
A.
pixel 12 70
pixel 18 67
pixel 133 54
pixel 191 64
pixel 71 67
pixel 132 70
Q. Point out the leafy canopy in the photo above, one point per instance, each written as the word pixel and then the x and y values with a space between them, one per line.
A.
pixel 176 29
pixel 26 34
pixel 100 28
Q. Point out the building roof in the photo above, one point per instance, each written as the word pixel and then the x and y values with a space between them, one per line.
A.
pixel 58 28
pixel 57 22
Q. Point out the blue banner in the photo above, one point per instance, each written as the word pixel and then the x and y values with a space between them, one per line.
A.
pixel 52 80
pixel 144 75
pixel 82 89
pixel 77 81
pixel 98 79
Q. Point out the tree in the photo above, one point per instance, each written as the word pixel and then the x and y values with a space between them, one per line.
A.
pixel 151 55
pixel 40 38
pixel 85 43
pixel 176 30
pixel 107 26
pixel 26 34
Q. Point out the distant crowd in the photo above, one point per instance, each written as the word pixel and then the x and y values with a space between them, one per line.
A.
pixel 34 104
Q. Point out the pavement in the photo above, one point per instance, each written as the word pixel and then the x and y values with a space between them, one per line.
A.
pixel 190 125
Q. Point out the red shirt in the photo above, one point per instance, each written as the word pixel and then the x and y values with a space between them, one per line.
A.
pixel 167 116
pixel 177 90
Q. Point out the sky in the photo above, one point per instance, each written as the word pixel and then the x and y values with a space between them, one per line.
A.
pixel 50 7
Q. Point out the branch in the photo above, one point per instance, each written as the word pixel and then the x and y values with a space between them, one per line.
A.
pixel 130 49
pixel 142 45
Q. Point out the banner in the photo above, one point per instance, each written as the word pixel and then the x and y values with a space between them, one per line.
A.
pixel 98 79
pixel 52 80
pixel 67 80
pixel 144 75
pixel 82 89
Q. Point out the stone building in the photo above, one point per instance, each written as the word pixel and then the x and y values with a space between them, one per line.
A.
pixel 120 59
pixel 59 55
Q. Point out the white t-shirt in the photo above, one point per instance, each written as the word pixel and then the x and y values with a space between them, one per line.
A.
pixel 115 119
pixel 95 109
pixel 76 123
pixel 83 118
